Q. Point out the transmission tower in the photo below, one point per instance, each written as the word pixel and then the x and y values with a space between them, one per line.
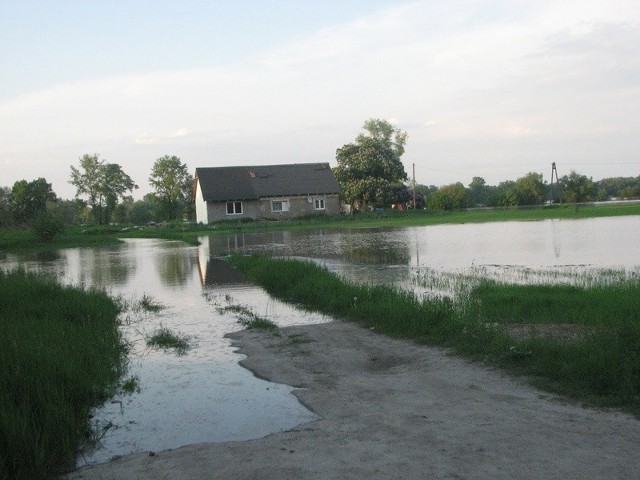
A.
pixel 554 171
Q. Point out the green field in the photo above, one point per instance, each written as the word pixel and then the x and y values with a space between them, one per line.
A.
pixel 61 354
pixel 583 342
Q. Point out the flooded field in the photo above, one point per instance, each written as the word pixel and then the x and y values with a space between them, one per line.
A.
pixel 204 395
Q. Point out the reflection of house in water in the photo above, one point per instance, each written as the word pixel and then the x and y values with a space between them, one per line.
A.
pixel 216 272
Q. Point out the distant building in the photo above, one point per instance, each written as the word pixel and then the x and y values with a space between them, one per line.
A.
pixel 265 192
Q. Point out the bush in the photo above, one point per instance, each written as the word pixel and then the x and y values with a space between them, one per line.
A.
pixel 47 226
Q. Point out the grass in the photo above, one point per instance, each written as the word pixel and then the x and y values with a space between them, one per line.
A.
pixel 600 367
pixel 249 319
pixel 61 354
pixel 147 304
pixel 166 340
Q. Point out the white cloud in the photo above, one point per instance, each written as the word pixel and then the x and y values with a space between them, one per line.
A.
pixel 145 139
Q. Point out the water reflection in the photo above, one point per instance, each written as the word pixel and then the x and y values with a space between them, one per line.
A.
pixel 173 266
pixel 105 267
pixel 367 246
pixel 205 395
pixel 219 273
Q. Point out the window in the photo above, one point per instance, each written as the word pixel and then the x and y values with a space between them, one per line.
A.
pixel 319 203
pixel 234 208
pixel 280 205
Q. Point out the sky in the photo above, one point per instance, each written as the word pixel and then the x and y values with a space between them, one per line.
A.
pixel 487 88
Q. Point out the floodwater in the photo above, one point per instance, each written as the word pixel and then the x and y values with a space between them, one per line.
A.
pixel 204 395
pixel 396 256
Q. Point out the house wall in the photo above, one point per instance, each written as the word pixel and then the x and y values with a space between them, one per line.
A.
pixel 261 209
pixel 217 211
pixel 201 206
pixel 299 206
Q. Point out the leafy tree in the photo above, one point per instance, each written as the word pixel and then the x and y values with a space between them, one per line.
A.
pixel 103 184
pixel 576 188
pixel 530 189
pixel 450 197
pixel 478 192
pixel 426 192
pixel 368 168
pixel 507 198
pixel 71 211
pixel 6 214
pixel 30 198
pixel 617 187
pixel 142 212
pixel 173 185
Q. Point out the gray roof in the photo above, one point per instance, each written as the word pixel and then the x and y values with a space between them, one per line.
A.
pixel 221 184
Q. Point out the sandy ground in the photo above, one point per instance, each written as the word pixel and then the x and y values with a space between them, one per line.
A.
pixel 392 409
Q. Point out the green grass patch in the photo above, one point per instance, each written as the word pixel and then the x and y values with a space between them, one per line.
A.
pixel 597 305
pixel 600 366
pixel 148 304
pixel 165 339
pixel 249 319
pixel 60 355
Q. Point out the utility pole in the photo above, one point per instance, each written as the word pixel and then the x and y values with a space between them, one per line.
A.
pixel 554 171
pixel 414 186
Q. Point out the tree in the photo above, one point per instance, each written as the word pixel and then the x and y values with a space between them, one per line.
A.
pixel 6 214
pixel 28 199
pixel 576 188
pixel 450 197
pixel 478 194
pixel 173 185
pixel 530 189
pixel 103 184
pixel 368 168
pixel 617 187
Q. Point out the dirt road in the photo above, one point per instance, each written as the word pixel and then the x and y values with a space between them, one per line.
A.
pixel 392 409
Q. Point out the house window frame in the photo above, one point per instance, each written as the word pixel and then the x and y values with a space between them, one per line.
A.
pixel 237 208
pixel 284 204
pixel 320 203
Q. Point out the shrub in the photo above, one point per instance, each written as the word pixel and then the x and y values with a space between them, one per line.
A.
pixel 47 226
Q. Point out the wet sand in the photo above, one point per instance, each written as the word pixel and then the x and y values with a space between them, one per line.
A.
pixel 393 409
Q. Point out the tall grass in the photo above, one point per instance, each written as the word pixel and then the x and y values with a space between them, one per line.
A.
pixel 596 305
pixel 60 354
pixel 601 365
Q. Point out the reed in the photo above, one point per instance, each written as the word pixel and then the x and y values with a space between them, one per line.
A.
pixel 248 318
pixel 60 354
pixel 599 365
pixel 165 339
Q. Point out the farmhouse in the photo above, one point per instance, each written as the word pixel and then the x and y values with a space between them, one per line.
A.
pixel 265 192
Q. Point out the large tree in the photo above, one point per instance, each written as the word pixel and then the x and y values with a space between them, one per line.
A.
pixel 369 168
pixel 450 197
pixel 103 185
pixel 28 199
pixel 478 191
pixel 173 186
pixel 530 189
pixel 576 188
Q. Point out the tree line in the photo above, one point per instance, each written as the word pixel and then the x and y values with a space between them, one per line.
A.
pixel 530 189
pixel 371 174
pixel 369 170
pixel 103 195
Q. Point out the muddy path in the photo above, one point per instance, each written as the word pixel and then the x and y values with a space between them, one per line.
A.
pixel 393 409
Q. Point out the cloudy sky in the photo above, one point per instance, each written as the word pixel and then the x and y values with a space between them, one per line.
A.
pixel 491 88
